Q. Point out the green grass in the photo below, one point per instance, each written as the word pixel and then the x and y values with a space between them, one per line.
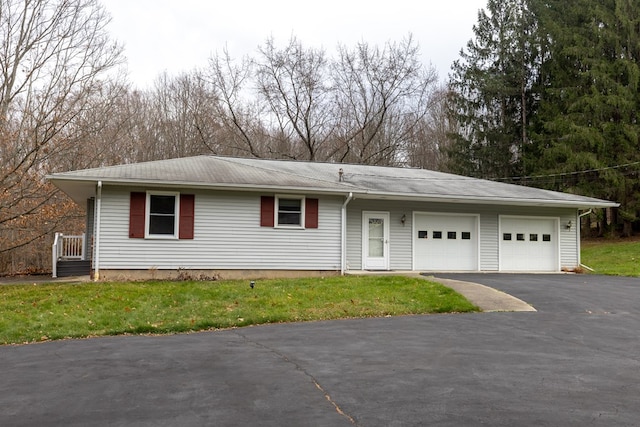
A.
pixel 619 257
pixel 30 313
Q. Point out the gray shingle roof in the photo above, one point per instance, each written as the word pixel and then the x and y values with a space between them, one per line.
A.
pixel 280 175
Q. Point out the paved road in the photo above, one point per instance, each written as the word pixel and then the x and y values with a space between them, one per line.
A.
pixel 574 362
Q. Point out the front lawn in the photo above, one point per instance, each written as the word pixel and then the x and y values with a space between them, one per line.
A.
pixel 618 257
pixel 31 313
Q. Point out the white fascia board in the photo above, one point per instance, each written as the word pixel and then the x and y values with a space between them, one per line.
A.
pixel 490 200
pixel 198 185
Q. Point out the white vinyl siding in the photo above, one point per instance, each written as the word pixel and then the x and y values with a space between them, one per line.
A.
pixel 399 234
pixel 227 235
pixel 569 240
pixel 400 239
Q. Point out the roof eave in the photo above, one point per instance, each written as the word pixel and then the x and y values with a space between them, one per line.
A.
pixel 80 188
pixel 78 191
pixel 578 204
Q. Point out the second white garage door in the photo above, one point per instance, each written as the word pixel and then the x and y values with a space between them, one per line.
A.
pixel 445 242
pixel 528 244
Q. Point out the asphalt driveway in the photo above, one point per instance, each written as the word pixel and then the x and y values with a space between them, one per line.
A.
pixel 574 362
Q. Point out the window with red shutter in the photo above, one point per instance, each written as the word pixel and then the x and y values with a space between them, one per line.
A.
pixel 267 211
pixel 288 212
pixel 311 213
pixel 137 214
pixel 159 220
pixel 187 216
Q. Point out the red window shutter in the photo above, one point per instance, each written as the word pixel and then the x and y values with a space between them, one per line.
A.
pixel 311 213
pixel 187 216
pixel 267 214
pixel 137 214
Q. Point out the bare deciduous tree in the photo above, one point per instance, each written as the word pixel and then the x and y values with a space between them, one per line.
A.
pixel 53 56
pixel 383 95
pixel 293 83
pixel 183 117
pixel 364 107
pixel 243 134
pixel 432 137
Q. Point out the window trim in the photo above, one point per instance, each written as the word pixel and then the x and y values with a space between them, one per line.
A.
pixel 176 215
pixel 276 209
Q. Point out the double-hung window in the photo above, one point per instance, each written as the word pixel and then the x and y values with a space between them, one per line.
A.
pixel 287 211
pixel 163 214
pixel 290 211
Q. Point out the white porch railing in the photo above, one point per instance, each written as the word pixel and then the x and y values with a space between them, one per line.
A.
pixel 66 248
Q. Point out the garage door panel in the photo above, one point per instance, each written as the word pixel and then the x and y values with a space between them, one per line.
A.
pixel 445 242
pixel 528 244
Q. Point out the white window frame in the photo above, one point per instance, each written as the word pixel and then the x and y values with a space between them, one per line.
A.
pixel 277 209
pixel 176 223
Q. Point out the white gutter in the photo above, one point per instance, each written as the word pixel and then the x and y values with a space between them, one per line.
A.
pixel 586 213
pixel 343 235
pixel 96 241
pixel 579 240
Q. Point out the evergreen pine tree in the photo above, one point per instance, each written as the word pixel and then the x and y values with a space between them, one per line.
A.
pixel 588 115
pixel 494 86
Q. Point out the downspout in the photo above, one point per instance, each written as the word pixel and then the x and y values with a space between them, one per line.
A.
pixel 96 241
pixel 578 238
pixel 343 235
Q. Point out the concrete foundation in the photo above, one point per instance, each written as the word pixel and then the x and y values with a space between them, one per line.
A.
pixel 154 274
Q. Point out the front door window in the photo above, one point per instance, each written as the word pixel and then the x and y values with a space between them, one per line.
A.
pixel 376 237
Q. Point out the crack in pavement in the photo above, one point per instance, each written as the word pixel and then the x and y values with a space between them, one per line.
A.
pixel 305 372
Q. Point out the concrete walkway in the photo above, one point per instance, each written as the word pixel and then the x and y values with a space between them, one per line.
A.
pixel 488 299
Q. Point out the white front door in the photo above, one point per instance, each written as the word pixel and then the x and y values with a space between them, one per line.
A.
pixel 375 240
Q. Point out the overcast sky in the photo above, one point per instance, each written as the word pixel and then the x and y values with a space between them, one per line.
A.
pixel 180 35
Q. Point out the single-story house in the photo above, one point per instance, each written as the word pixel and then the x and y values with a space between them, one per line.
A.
pixel 238 217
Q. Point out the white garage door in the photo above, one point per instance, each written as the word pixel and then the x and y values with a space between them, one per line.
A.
pixel 445 242
pixel 528 244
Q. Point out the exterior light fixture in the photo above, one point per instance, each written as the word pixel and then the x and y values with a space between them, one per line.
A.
pixel 403 219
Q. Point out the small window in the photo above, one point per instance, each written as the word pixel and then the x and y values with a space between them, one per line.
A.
pixel 437 234
pixel 506 236
pixel 465 235
pixel 289 212
pixel 533 237
pixel 546 237
pixel 423 234
pixel 452 235
pixel 162 214
pixel 520 237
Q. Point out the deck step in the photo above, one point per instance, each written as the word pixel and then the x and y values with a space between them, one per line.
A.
pixel 73 268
